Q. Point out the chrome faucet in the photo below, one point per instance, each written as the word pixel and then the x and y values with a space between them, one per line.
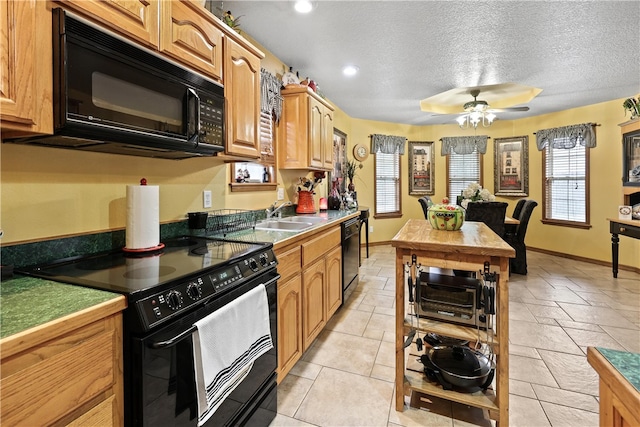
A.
pixel 272 210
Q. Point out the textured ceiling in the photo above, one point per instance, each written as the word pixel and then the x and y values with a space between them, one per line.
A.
pixel 578 52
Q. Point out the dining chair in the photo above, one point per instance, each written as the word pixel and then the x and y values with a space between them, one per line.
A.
pixel 491 213
pixel 511 228
pixel 516 240
pixel 425 202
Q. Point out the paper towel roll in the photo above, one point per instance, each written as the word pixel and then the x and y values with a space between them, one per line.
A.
pixel 143 219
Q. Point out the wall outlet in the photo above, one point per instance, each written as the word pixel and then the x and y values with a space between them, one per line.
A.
pixel 280 193
pixel 371 229
pixel 206 199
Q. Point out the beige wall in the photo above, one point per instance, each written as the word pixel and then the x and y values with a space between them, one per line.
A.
pixel 48 192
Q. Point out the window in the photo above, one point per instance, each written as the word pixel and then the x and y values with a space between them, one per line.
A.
pixel 388 186
pixel 566 184
pixel 462 170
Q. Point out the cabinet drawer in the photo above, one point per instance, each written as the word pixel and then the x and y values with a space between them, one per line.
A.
pixel 288 263
pixel 625 230
pixel 315 248
pixel 43 392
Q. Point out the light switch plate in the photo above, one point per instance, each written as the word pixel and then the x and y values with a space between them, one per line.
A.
pixel 206 199
pixel 280 193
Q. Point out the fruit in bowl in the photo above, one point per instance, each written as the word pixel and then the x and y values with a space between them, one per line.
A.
pixel 446 217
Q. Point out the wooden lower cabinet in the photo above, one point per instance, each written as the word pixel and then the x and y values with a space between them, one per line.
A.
pixel 334 281
pixel 74 378
pixel 313 302
pixel 289 324
pixel 309 292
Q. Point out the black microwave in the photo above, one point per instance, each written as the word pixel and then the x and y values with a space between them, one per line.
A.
pixel 114 97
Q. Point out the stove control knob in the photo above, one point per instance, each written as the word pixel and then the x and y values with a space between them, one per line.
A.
pixel 174 300
pixel 253 265
pixel 194 291
pixel 264 259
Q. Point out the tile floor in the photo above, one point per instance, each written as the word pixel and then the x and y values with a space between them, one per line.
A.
pixel 556 311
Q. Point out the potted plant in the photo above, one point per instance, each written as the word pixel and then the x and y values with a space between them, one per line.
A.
pixel 350 170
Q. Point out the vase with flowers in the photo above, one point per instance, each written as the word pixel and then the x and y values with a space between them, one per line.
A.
pixel 475 193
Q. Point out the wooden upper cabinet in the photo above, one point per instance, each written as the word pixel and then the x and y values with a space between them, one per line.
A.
pixel 25 68
pixel 192 35
pixel 306 131
pixel 242 99
pixel 134 19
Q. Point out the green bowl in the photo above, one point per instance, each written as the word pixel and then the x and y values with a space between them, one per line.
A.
pixel 446 217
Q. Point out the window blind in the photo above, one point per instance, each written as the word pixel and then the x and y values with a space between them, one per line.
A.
pixel 266 139
pixel 463 170
pixel 566 183
pixel 387 183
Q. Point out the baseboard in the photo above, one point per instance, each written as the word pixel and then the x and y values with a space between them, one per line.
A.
pixel 584 259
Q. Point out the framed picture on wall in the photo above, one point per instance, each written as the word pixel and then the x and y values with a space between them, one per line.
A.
pixel 337 176
pixel 421 168
pixel 511 166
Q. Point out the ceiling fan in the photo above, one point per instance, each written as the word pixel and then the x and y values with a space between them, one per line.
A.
pixel 478 112
pixel 483 106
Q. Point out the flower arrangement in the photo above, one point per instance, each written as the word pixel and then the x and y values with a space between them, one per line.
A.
pixel 475 193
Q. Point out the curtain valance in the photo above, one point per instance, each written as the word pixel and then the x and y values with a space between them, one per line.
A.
pixel 464 144
pixel 270 98
pixel 387 144
pixel 567 136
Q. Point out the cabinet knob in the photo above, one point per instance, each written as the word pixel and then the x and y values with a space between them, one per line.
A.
pixel 623 229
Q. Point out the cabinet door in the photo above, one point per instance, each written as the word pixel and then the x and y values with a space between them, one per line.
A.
pixel 191 35
pixel 334 281
pixel 316 132
pixel 289 324
pixel 313 302
pixel 327 139
pixel 25 68
pixel 242 97
pixel 135 19
pixel 293 146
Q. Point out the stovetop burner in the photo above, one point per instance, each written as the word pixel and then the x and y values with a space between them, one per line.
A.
pixel 130 273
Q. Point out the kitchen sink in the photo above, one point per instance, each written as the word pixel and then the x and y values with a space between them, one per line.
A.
pixel 307 219
pixel 283 225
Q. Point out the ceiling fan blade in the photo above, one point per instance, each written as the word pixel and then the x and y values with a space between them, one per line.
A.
pixel 510 109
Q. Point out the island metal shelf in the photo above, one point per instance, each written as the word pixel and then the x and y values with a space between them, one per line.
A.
pixel 466 249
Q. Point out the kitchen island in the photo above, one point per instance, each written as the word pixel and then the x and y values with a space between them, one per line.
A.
pixel 467 249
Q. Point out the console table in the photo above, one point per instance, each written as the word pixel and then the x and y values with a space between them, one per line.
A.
pixel 466 249
pixel 625 227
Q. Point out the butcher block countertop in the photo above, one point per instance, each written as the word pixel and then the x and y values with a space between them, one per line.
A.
pixel 473 238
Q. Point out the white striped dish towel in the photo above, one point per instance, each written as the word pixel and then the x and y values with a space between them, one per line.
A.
pixel 225 345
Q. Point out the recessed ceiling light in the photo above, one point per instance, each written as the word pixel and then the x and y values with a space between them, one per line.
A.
pixel 350 70
pixel 303 6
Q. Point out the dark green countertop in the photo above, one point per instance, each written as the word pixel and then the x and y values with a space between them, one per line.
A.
pixel 26 302
pixel 627 363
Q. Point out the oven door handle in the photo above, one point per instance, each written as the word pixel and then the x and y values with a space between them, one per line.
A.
pixel 172 341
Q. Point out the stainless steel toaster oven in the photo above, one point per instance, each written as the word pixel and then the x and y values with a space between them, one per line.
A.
pixel 451 299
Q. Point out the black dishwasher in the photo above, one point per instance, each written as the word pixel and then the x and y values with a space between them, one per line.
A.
pixel 350 256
